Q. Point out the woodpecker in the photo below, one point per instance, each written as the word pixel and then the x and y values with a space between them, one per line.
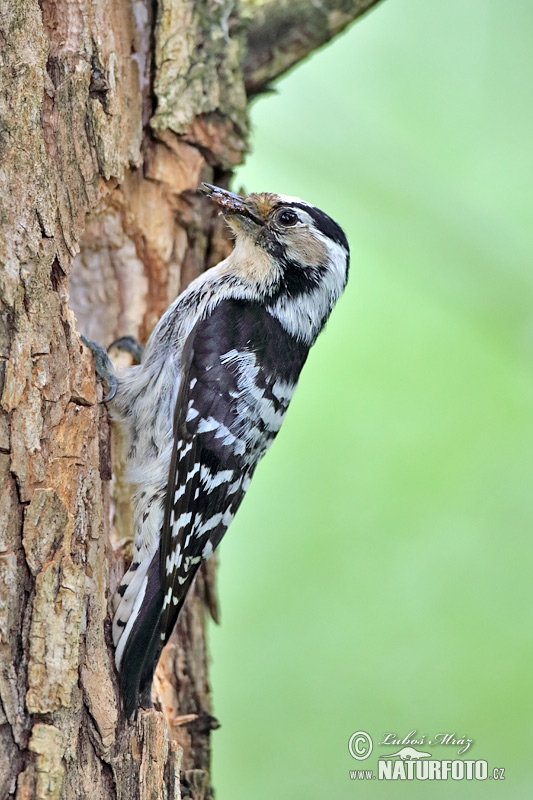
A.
pixel 206 402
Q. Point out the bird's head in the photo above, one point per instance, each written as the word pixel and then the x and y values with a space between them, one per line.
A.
pixel 296 254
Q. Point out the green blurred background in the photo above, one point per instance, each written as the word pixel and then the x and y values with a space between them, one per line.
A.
pixel 378 575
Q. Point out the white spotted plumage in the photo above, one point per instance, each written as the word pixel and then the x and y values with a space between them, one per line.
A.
pixel 209 397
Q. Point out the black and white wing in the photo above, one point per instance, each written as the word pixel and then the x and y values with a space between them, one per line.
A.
pixel 240 368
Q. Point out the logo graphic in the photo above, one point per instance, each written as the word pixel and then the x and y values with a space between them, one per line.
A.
pixel 410 763
pixel 407 754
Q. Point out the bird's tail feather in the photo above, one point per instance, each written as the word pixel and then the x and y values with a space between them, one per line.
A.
pixel 126 603
pixel 136 631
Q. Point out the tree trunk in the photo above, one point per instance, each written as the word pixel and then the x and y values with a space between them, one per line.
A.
pixel 111 114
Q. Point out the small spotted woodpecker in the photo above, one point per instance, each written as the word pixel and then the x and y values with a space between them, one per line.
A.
pixel 206 402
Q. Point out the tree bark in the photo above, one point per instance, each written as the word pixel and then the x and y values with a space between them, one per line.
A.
pixel 110 116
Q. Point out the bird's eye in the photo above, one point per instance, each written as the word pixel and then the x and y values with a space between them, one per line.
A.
pixel 287 217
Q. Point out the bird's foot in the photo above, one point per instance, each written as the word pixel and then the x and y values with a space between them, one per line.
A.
pixel 103 368
pixel 129 344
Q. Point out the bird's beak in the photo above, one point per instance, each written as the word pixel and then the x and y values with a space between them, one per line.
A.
pixel 229 203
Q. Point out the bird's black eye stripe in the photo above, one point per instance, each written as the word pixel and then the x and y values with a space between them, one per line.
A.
pixel 287 217
pixel 325 224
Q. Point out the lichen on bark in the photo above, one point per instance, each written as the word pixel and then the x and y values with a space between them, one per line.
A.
pixel 198 65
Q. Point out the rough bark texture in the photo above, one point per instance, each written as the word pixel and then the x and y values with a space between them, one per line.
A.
pixel 111 113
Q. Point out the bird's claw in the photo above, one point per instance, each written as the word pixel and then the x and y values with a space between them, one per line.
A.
pixel 103 368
